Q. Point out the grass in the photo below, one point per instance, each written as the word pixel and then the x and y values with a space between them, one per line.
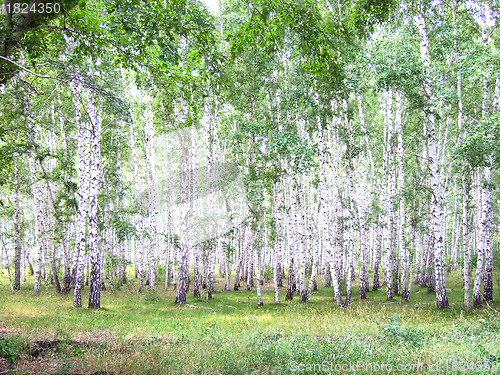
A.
pixel 146 333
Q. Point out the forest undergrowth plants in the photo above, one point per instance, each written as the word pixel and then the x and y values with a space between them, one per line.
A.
pixel 488 357
pixel 11 348
pixel 212 333
pixel 395 332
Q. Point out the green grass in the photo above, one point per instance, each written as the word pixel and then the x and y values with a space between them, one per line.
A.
pixel 146 333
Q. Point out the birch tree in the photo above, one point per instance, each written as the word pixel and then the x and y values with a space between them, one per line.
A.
pixel 436 240
pixel 94 122
pixel 83 156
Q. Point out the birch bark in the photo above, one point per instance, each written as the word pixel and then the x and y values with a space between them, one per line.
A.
pixel 83 156
pixel 95 179
pixel 388 189
pixel 487 222
pixel 149 146
pixel 403 258
pixel 184 250
pixel 466 249
pixel 37 206
pixel 278 212
pixel 436 235
pixel 16 220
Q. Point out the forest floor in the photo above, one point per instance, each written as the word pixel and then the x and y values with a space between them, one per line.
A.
pixel 145 332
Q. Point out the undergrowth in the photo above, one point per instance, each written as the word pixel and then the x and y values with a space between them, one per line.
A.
pixel 144 332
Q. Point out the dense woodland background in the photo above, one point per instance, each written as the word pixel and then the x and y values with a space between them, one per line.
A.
pixel 349 144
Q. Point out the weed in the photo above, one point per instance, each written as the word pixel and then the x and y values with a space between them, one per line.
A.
pixel 393 331
pixel 11 348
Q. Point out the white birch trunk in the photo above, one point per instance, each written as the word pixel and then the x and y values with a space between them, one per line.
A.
pixel 196 272
pixel 185 195
pixel 7 260
pixel 362 191
pixel 301 233
pixel 388 194
pixel 149 146
pixel 403 258
pixel 466 248
pixel 376 256
pixel 37 210
pixel 487 211
pixel 258 251
pixel 278 213
pixel 83 155
pixel 227 261
pixel 211 270
pixel 16 222
pixel 95 179
pixel 436 234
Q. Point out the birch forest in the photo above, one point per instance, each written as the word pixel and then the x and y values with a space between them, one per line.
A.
pixel 250 154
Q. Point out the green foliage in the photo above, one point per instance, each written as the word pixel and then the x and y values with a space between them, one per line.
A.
pixel 124 228
pixel 394 332
pixel 367 14
pixel 394 59
pixel 318 35
pixel 229 249
pixel 112 260
pixel 160 268
pixel 11 348
pixel 270 78
pixel 481 145
pixel 268 272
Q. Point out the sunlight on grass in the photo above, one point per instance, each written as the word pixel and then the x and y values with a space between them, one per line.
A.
pixel 145 332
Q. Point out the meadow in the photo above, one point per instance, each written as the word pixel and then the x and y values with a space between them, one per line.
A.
pixel 145 332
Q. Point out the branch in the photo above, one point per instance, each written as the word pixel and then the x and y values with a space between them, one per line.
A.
pixel 29 71
pixel 491 308
pixel 200 307
pixel 24 19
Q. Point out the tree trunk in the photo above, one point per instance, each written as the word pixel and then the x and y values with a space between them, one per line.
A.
pixel 182 276
pixel 278 242
pixel 239 257
pixel 301 237
pixel 227 286
pixel 487 211
pixel 465 231
pixel 185 195
pixel 488 236
pixel 291 280
pixel 196 272
pixel 211 269
pixel 402 216
pixel 95 179
pixel 259 276
pixel 388 194
pixel 250 262
pixel 17 242
pixel 149 147
pixel 83 156
pixel 38 215
pixel 7 261
pixel 436 234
